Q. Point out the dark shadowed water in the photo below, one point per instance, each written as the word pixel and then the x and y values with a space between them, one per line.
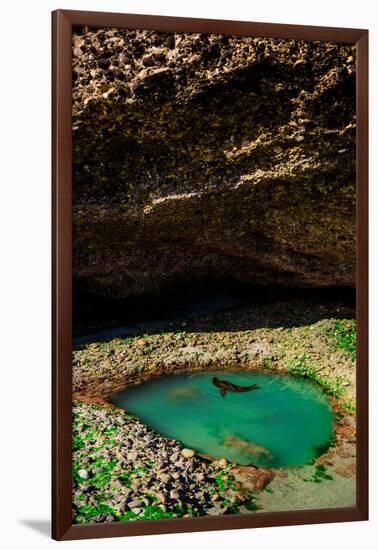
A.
pixel 288 421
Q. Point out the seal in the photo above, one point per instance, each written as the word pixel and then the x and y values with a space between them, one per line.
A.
pixel 225 386
pixel 248 447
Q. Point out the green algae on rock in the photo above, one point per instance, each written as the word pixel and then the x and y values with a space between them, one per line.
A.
pixel 295 336
pixel 279 338
pixel 122 471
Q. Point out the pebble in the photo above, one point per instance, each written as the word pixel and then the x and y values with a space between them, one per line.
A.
pixel 168 469
pixel 214 511
pixel 148 61
pixel 187 453
pixel 78 42
pixel 103 63
pixel 135 504
pixel 170 41
pixel 132 456
pixel 165 478
pixel 84 474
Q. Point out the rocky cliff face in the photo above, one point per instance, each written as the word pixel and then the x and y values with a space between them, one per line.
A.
pixel 199 157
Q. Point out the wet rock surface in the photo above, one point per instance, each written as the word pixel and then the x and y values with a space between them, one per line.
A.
pixel 199 156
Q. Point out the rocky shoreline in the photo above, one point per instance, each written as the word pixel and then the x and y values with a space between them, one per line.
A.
pixel 124 471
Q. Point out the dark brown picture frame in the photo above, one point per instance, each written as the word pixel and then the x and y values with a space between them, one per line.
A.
pixel 62 25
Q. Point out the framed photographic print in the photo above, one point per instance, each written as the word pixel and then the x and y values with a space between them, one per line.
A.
pixel 209 274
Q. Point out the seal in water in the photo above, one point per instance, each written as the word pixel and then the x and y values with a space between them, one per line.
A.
pixel 225 386
pixel 248 447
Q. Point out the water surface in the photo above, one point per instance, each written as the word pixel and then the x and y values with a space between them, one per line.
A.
pixel 288 421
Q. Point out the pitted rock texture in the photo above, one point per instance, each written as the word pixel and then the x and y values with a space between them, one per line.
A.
pixel 200 157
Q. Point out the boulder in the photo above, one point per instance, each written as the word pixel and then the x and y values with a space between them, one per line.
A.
pixel 252 478
pixel 200 157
